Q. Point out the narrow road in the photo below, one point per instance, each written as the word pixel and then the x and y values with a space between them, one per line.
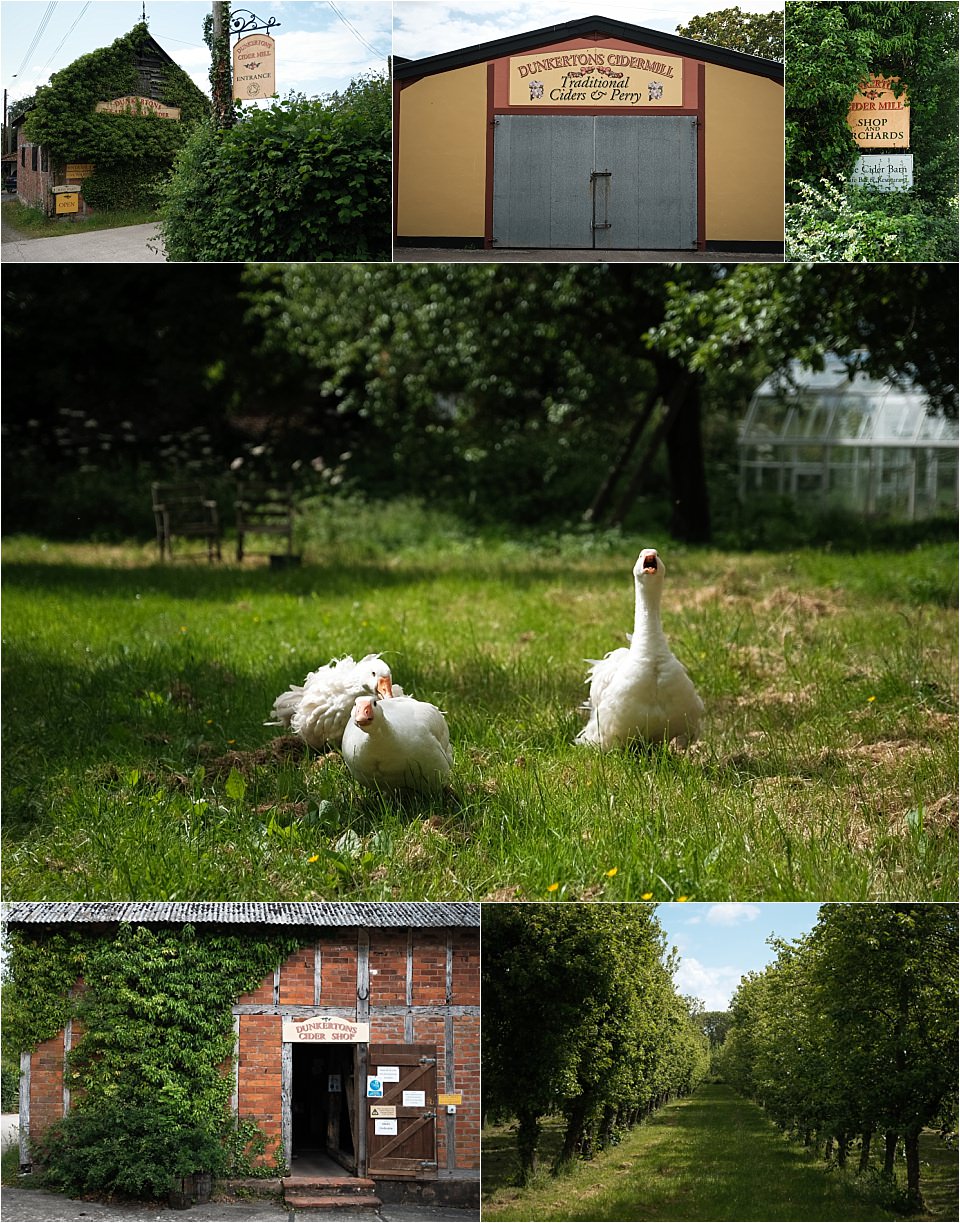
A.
pixel 128 244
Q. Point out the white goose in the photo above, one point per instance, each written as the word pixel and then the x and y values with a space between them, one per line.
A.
pixel 642 692
pixel 399 744
pixel 318 710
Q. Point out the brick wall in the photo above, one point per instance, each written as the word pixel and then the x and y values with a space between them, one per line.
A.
pixel 260 1076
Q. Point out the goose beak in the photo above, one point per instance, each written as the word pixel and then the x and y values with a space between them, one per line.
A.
pixel 385 686
pixel 363 711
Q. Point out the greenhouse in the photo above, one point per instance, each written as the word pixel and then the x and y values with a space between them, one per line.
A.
pixel 853 443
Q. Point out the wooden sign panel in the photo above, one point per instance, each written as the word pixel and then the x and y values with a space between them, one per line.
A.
pixel 324 1029
pixel 254 67
pixel 591 76
pixel 877 118
pixel 132 105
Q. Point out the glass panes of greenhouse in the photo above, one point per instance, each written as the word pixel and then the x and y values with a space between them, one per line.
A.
pixel 859 443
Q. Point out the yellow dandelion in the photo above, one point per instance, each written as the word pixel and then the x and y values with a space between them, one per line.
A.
pixel 871 699
pixel 231 740
pixel 553 887
pixel 647 896
pixel 209 721
pixel 680 899
pixel 314 858
pixel 183 628
pixel 611 872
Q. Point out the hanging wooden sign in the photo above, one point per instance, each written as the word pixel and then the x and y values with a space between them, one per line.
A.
pixel 877 118
pixel 254 67
pixel 324 1029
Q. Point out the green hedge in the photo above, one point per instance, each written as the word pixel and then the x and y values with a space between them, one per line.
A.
pixel 306 179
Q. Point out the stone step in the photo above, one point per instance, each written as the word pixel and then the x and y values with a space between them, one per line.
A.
pixel 357 1183
pixel 300 1199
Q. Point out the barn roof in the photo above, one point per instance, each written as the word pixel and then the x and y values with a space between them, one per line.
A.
pixel 389 913
pixel 584 27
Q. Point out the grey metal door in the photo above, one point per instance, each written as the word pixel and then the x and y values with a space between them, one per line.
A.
pixel 626 182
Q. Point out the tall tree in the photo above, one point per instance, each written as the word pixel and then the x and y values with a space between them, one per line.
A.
pixel 752 33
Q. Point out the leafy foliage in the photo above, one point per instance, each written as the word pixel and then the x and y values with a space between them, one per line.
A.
pixel 752 33
pixel 831 47
pixel 839 223
pixel 64 118
pixel 580 1016
pixel 156 1036
pixel 853 1029
pixel 303 179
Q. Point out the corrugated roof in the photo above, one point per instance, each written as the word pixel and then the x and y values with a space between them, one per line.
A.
pixel 516 44
pixel 392 913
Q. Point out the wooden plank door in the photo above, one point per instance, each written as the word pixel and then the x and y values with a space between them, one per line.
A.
pixel 412 1151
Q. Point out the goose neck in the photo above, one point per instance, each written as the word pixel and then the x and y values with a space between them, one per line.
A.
pixel 647 628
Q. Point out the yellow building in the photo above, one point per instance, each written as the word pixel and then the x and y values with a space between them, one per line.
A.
pixel 592 134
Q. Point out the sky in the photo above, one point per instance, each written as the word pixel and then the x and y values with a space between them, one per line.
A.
pixel 427 27
pixel 317 51
pixel 719 943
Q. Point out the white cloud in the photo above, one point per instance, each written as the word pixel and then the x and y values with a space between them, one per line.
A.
pixel 731 914
pixel 714 986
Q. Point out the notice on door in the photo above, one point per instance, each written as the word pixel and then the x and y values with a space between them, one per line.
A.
pixel 414 1099
pixel 588 76
pixel 384 1126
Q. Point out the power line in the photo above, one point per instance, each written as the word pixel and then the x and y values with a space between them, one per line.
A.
pixel 67 35
pixel 44 22
pixel 353 30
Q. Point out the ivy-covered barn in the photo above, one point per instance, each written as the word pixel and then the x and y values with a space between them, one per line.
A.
pixel 330 1046
pixel 103 134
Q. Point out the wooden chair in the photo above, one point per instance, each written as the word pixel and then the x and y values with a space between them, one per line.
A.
pixel 182 511
pixel 263 510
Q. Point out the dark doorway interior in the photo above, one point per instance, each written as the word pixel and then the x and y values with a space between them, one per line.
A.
pixel 323 1104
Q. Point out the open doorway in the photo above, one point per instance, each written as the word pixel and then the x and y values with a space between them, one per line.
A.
pixel 323 1109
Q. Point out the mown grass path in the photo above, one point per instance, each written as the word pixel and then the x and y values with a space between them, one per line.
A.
pixel 714 1156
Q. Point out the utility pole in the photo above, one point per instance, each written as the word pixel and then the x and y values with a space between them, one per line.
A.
pixel 221 72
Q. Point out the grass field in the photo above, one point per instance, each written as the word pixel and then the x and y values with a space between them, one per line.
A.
pixel 713 1156
pixel 136 763
pixel 33 223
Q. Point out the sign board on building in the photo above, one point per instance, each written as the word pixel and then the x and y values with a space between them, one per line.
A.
pixel 884 171
pixel 138 106
pixel 374 1087
pixel 383 1110
pixel 450 1097
pixel 877 117
pixel 79 169
pixel 254 67
pixel 385 1127
pixel 592 76
pixel 389 1074
pixel 414 1099
pixel 324 1029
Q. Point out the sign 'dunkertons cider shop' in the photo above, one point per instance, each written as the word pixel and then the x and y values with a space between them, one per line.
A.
pixel 254 67
pixel 324 1030
pixel 588 76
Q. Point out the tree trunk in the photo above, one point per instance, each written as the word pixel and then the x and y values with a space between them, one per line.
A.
pixel 674 404
pixel 889 1152
pixel 606 1127
pixel 911 1142
pixel 841 1150
pixel 573 1135
pixel 690 520
pixel 528 1137
pixel 604 493
pixel 865 1138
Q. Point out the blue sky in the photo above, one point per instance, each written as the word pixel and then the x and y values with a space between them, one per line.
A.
pixel 718 943
pixel 317 51
pixel 427 27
